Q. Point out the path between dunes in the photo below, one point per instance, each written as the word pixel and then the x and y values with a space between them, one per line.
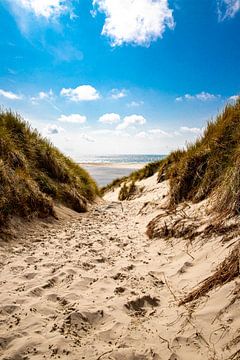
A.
pixel 97 288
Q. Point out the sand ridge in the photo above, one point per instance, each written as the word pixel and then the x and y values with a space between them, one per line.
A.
pixel 97 287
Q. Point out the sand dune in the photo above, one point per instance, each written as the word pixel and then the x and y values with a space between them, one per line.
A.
pixel 94 286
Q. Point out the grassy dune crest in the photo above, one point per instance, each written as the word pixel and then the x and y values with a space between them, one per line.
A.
pixel 209 166
pixel 33 174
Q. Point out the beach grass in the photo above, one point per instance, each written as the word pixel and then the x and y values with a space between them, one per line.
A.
pixel 34 174
pixel 210 166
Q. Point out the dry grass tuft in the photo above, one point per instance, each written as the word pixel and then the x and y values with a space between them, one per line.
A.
pixel 226 272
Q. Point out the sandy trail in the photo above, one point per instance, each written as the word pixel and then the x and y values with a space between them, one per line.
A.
pixel 97 288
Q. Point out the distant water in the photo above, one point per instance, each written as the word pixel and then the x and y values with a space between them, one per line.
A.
pixel 120 159
pixel 106 174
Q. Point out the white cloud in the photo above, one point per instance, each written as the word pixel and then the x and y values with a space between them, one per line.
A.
pixel 153 134
pixel 65 52
pixel 135 21
pixel 131 120
pixel 109 118
pixel 32 15
pixel 73 118
pixel 42 95
pixel 227 9
pixel 158 132
pixel 45 8
pixel 192 130
pixel 135 103
pixel 81 93
pixel 10 95
pixel 233 98
pixel 142 135
pixel 203 96
pixel 103 131
pixel 53 129
pixel 86 137
pixel 118 94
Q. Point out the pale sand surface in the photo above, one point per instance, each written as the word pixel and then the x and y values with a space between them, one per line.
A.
pixel 95 287
pixel 105 173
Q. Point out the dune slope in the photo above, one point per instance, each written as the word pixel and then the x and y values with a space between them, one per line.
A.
pixel 33 174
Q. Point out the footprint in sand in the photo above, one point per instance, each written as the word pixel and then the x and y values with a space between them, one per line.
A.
pixel 78 324
pixel 29 276
pixel 5 341
pixel 30 260
pixel 8 309
pixel 140 305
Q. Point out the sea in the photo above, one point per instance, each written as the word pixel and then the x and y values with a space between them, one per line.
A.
pixel 106 168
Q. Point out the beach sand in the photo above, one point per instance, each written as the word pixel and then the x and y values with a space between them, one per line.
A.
pixel 105 173
pixel 95 287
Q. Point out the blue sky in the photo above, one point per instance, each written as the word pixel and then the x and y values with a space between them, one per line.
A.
pixel 119 76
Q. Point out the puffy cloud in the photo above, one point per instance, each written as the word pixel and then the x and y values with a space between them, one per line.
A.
pixel 10 95
pixel 42 95
pixel 131 120
pixel 192 130
pixel 81 93
pixel 118 94
pixel 203 96
pixel 227 9
pixel 52 129
pixel 109 118
pixel 45 8
pixel 135 21
pixel 73 118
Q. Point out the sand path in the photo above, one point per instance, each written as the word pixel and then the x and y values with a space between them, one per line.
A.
pixel 98 288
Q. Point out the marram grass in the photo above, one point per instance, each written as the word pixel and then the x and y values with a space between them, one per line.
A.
pixel 34 174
